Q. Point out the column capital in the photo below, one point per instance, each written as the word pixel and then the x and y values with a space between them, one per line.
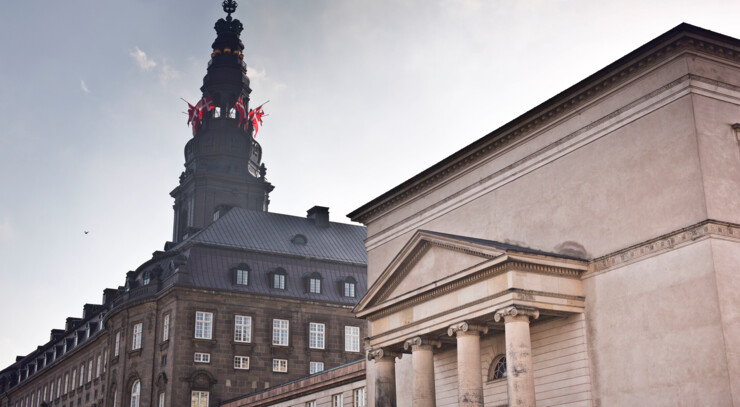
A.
pixel 466 328
pixel 421 342
pixel 380 353
pixel 516 311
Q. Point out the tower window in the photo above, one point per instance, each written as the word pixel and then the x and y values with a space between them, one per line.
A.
pixel 136 342
pixel 217 112
pixel 232 113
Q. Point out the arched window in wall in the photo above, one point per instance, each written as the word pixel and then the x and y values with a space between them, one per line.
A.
pixel 135 394
pixel 497 370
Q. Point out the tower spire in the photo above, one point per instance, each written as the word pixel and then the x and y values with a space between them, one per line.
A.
pixel 223 163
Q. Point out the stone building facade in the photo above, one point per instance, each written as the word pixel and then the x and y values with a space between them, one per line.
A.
pixel 584 254
pixel 240 300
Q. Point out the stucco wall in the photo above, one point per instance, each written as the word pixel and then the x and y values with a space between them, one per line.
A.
pixel 655 332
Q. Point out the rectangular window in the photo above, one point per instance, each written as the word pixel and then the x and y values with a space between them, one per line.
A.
pixel 203 325
pixel 241 362
pixel 166 329
pixel 199 399
pixel 242 277
pixel 280 329
pixel 311 403
pixel 315 367
pixel 105 360
pixel 337 400
pixel 136 343
pixel 118 342
pixel 280 365
pixel 100 366
pixel 66 382
pixel 74 377
pixel 89 370
pixel 59 387
pixel 82 374
pixel 202 357
pixel 316 334
pixel 349 289
pixel 351 339
pixel 278 281
pixel 360 400
pixel 242 328
pixel 161 399
pixel 314 286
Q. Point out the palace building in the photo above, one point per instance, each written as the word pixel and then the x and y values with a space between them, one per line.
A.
pixel 240 300
pixel 587 253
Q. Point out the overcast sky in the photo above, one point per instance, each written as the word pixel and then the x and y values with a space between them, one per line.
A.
pixel 364 94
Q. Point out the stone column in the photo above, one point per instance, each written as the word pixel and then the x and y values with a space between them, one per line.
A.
pixel 469 372
pixel 519 373
pixel 385 376
pixel 423 366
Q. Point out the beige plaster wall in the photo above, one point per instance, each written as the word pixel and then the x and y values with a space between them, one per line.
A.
pixel 726 257
pixel 560 365
pixel 655 332
pixel 638 182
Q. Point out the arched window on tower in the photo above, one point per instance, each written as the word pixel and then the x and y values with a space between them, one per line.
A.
pixel 135 394
pixel 497 369
pixel 217 112
pixel 232 113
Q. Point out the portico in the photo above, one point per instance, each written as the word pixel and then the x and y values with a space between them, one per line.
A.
pixel 444 291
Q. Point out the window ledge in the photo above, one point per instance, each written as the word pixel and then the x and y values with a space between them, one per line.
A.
pixel 164 345
pixel 135 352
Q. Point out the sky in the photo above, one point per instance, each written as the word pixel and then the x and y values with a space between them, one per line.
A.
pixel 363 95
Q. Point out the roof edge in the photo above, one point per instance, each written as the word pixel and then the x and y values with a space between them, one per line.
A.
pixel 562 103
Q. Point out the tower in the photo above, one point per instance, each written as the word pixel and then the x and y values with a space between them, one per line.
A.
pixel 223 167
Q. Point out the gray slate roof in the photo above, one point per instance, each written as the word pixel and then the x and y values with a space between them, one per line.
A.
pixel 272 233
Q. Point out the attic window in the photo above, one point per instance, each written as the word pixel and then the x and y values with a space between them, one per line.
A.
pixel 147 278
pixel 299 239
pixel 349 287
pixel 314 283
pixel 278 279
pixel 241 274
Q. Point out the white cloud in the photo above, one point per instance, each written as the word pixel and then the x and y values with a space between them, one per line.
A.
pixel 83 85
pixel 145 63
pixel 254 73
pixel 168 72
pixel 7 232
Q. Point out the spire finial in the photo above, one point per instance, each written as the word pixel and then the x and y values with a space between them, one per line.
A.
pixel 229 7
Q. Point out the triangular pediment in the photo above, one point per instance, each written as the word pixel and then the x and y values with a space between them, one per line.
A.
pixel 426 259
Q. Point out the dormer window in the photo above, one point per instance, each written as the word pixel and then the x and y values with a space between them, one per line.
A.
pixel 241 274
pixel 349 287
pixel 314 283
pixel 147 278
pixel 278 279
pixel 299 239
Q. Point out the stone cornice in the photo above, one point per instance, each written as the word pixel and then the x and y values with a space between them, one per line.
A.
pixel 683 38
pixel 664 243
pixel 466 281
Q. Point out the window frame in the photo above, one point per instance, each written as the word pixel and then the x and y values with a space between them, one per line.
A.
pixel 243 329
pixel 316 335
pixel 359 397
pixel 201 357
pixel 241 275
pixel 138 329
pixel 277 332
pixel 277 365
pixel 136 393
pixel 350 336
pixel 241 364
pixel 206 325
pixel 166 327
pixel 312 365
pixel 279 279
pixel 337 400
pixel 200 394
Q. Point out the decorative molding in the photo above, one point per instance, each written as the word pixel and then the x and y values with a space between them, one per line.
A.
pixel 466 328
pixel 664 243
pixel 381 353
pixel 687 42
pixel 421 343
pixel 485 273
pixel 515 311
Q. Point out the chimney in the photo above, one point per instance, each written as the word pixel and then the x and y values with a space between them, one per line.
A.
pixel 89 309
pixel 319 215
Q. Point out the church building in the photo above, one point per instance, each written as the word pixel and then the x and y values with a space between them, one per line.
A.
pixel 587 253
pixel 240 300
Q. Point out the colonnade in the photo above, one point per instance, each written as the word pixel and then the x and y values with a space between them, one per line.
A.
pixel 520 376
